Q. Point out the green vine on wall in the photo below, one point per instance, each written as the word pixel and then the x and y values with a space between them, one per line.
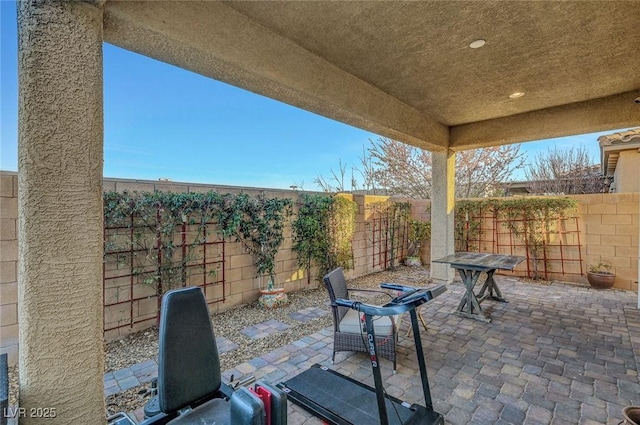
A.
pixel 323 232
pixel 399 213
pixel 419 232
pixel 342 227
pixel 467 224
pixel 260 228
pixel 530 219
pixel 397 218
pixel 311 240
pixel 150 222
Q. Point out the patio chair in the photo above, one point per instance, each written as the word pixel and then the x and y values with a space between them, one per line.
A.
pixel 190 388
pixel 348 332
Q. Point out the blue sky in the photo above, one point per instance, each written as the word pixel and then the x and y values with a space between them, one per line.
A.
pixel 165 122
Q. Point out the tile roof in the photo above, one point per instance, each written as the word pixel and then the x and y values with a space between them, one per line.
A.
pixel 628 136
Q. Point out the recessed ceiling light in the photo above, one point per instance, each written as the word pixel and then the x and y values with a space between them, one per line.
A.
pixel 476 44
pixel 516 95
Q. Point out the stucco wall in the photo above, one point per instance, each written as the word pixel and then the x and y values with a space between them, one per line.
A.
pixel 608 230
pixel 627 174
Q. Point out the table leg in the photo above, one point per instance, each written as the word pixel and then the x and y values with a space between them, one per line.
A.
pixel 492 287
pixel 469 305
pixel 424 324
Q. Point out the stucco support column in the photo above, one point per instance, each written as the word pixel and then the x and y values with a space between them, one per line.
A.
pixel 442 213
pixel 60 158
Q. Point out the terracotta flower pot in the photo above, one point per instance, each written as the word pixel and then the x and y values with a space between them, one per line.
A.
pixel 631 415
pixel 273 298
pixel 601 280
pixel 413 262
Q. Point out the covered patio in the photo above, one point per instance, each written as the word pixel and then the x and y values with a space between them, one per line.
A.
pixel 555 354
pixel 409 71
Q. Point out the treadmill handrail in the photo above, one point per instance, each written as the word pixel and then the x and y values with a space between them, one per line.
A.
pixel 409 299
pixel 435 290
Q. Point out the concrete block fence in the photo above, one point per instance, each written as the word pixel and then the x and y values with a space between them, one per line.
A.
pixel 608 229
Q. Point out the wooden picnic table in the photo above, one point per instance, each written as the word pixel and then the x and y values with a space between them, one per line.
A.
pixel 470 265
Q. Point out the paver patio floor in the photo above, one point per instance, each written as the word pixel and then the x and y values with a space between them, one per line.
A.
pixel 558 354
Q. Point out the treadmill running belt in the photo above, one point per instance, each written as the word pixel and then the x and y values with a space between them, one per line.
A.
pixel 351 402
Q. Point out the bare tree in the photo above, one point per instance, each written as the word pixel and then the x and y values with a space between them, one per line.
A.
pixel 566 171
pixel 401 169
pixel 367 172
pixel 481 172
pixel 335 182
pixel 389 167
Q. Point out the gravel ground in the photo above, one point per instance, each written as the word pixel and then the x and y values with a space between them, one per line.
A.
pixel 143 345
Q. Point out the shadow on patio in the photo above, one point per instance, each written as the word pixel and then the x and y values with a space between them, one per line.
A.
pixel 553 354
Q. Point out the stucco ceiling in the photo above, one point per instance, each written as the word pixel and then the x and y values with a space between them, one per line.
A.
pixel 405 69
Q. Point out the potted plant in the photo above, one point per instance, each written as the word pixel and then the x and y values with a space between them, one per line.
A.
pixel 600 275
pixel 271 295
pixel 631 415
pixel 419 231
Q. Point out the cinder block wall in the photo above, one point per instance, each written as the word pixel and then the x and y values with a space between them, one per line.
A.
pixel 9 265
pixel 608 230
pixel 241 285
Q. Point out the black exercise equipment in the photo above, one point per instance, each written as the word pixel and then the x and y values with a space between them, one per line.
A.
pixel 190 388
pixel 343 401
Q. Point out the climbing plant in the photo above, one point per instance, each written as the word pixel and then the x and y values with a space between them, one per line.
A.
pixel 467 224
pixel 258 223
pixel 394 218
pixel 419 231
pixel 149 224
pixel 342 227
pixel 311 239
pixel 323 232
pixel 531 220
pixel 399 216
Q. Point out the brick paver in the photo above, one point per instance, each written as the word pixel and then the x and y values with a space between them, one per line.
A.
pixel 308 314
pixel 557 354
pixel 225 345
pixel 264 329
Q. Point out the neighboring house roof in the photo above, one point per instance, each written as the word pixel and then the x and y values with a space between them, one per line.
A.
pixel 612 144
pixel 528 187
pixel 516 188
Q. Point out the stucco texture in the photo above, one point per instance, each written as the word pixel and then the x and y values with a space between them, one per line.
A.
pixel 405 70
pixel 60 160
pixel 627 175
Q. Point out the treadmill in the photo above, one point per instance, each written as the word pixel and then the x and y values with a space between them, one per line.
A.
pixel 340 400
